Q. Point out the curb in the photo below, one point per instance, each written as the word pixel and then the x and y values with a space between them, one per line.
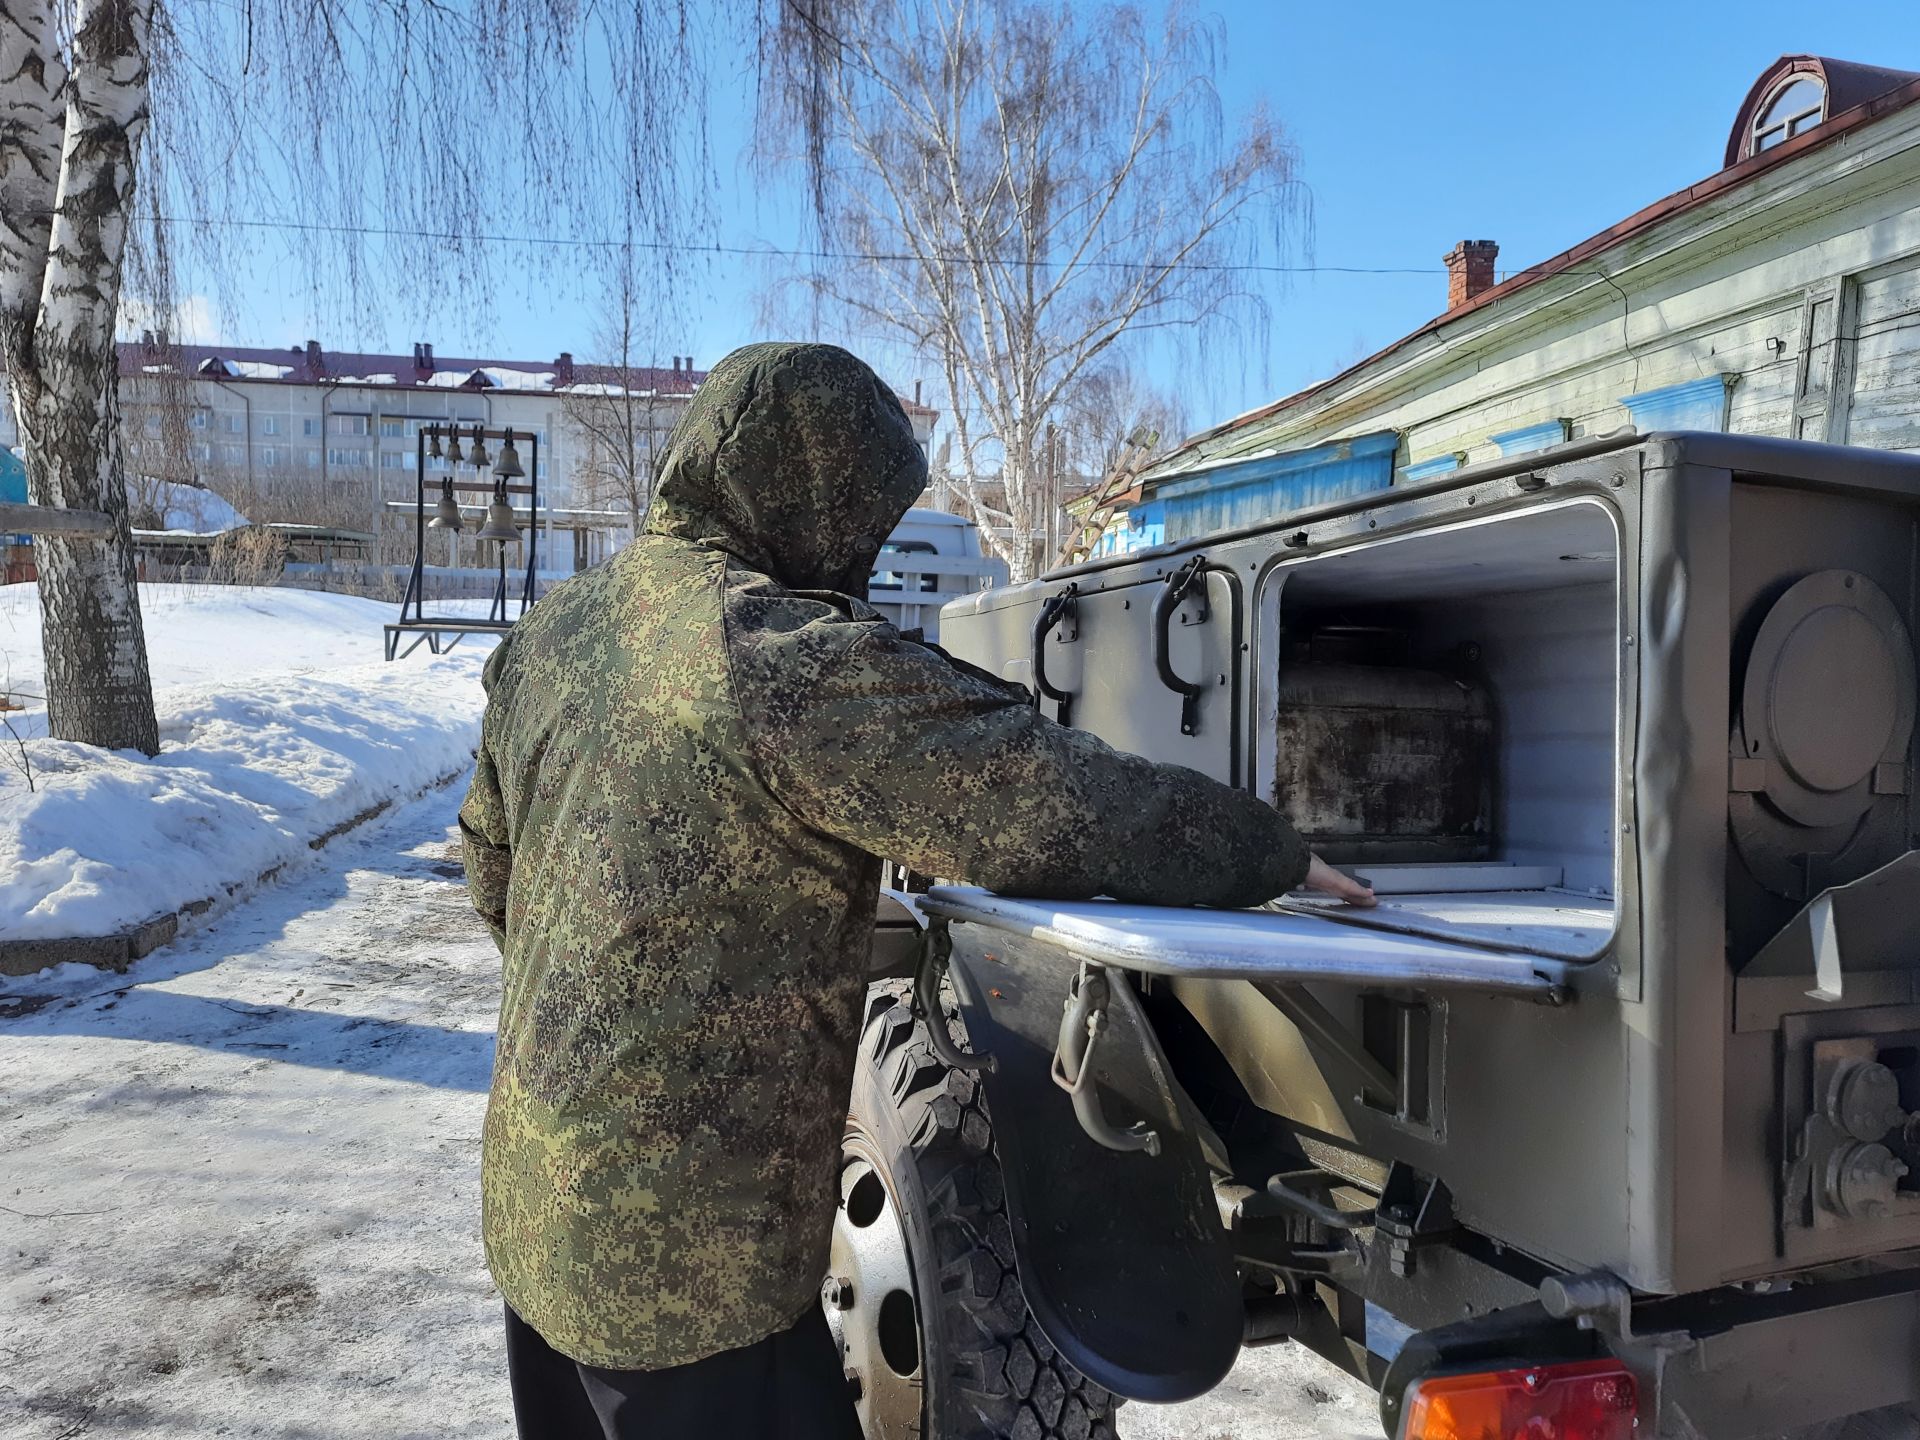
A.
pixel 116 952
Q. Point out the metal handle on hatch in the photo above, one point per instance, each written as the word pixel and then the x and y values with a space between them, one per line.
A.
pixel 1061 605
pixel 936 951
pixel 1187 580
pixel 1082 1022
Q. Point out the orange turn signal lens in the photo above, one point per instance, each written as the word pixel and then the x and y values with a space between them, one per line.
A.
pixel 1586 1400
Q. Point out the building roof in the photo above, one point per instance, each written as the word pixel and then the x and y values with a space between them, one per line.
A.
pixel 311 364
pixel 1859 85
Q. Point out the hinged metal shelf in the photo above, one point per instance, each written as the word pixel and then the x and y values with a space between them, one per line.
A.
pixel 1252 945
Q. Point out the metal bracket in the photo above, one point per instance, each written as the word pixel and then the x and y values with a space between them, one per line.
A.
pixel 1331 1216
pixel 1082 1022
pixel 1334 1042
pixel 1598 1300
pixel 1180 585
pixel 1415 1210
pixel 936 949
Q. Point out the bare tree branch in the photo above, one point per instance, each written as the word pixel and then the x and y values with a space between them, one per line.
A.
pixel 1024 186
pixel 615 407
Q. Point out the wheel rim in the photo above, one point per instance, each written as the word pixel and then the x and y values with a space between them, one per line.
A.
pixel 870 1301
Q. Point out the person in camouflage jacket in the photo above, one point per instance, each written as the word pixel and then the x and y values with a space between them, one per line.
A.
pixel 692 757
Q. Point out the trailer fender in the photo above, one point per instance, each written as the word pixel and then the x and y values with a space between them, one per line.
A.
pixel 1122 1255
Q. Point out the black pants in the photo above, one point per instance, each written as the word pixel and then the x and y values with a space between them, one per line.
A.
pixel 786 1387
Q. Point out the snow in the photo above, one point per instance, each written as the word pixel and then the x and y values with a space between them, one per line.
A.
pixel 279 721
pixel 494 377
pixel 240 1185
pixel 193 509
pixel 587 387
pixel 257 370
pixel 1276 1392
pixel 235 369
pixel 380 379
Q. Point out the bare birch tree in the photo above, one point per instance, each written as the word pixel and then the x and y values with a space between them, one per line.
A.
pixel 384 139
pixel 73 113
pixel 1017 186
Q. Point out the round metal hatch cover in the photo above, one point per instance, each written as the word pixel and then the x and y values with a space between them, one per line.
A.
pixel 1828 696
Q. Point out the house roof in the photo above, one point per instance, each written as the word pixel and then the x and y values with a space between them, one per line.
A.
pixel 1858 84
pixel 1848 87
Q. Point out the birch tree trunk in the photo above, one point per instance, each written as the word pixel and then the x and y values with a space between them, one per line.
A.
pixel 68 187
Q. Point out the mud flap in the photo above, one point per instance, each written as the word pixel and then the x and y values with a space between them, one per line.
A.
pixel 1122 1254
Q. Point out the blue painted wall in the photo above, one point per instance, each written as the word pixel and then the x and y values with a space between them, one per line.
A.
pixel 13 489
pixel 1428 469
pixel 1146 527
pixel 1690 405
pixel 1530 439
pixel 1247 492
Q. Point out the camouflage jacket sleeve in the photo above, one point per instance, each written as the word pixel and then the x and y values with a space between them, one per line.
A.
pixel 485 839
pixel 885 744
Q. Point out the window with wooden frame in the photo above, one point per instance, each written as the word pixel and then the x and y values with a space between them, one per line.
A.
pixel 1799 104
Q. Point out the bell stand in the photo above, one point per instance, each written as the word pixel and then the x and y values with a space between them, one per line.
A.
pixel 413 617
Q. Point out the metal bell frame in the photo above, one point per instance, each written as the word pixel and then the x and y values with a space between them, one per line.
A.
pixel 511 476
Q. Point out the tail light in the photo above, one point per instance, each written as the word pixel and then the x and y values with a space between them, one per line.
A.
pixel 1585 1400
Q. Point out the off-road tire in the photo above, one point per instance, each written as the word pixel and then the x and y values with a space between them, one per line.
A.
pixel 989 1372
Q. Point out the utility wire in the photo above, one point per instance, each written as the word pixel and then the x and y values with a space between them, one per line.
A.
pixel 716 248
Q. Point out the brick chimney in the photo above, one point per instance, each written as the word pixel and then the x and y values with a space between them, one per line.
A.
pixel 316 362
pixel 1469 271
pixel 422 360
pixel 676 364
pixel 563 370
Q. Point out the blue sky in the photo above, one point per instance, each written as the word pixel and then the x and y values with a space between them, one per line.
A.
pixel 1534 125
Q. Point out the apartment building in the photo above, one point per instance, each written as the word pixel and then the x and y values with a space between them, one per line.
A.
pixel 311 436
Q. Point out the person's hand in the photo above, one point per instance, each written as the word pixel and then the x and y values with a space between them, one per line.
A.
pixel 1323 879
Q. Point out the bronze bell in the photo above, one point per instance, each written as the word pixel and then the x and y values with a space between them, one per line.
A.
pixel 433 445
pixel 453 447
pixel 478 454
pixel 446 515
pixel 508 466
pixel 499 526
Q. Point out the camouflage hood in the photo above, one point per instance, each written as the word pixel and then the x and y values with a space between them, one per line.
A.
pixel 795 459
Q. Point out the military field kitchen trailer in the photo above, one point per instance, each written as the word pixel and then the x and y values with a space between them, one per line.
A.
pixel 1605 1122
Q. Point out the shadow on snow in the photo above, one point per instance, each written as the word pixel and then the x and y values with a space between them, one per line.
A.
pixel 319 1039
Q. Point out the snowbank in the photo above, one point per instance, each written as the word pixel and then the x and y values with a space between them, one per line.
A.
pixel 224 634
pixel 279 723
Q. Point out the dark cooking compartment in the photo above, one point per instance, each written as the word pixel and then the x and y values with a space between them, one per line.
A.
pixel 1378 759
